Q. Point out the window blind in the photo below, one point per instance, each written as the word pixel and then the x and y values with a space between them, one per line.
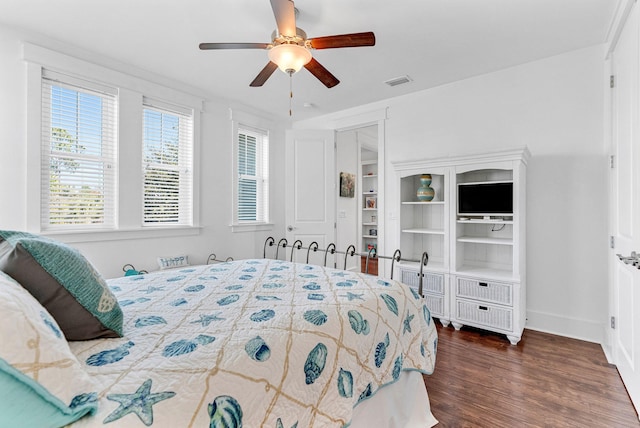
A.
pixel 78 169
pixel 253 176
pixel 167 165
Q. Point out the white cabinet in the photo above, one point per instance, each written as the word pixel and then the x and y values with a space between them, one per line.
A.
pixel 424 226
pixel 474 233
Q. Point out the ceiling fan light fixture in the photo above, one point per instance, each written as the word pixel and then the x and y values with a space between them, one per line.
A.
pixel 289 57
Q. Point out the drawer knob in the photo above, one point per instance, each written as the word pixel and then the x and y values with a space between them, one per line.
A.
pixel 483 284
pixel 483 308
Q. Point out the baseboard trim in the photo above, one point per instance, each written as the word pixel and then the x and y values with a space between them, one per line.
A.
pixel 574 328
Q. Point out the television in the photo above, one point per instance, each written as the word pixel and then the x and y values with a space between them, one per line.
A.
pixel 485 199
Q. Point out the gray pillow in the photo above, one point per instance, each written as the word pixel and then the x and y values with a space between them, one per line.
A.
pixel 64 282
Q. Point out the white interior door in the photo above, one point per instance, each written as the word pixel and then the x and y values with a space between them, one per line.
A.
pixel 310 193
pixel 625 201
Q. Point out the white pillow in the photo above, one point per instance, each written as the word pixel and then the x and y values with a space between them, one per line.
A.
pixel 41 382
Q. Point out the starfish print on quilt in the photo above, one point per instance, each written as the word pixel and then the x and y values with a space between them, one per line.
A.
pixel 140 402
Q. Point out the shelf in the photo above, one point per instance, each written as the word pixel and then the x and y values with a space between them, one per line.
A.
pixel 483 221
pixel 369 193
pixel 472 183
pixel 369 237
pixel 369 209
pixel 423 203
pixel 370 176
pixel 370 224
pixel 432 266
pixel 474 271
pixel 424 231
pixel 483 240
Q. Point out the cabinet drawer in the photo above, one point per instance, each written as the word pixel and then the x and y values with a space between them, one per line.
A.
pixel 435 303
pixel 485 290
pixel 432 282
pixel 485 315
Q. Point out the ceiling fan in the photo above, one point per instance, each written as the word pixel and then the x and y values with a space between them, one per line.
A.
pixel 290 49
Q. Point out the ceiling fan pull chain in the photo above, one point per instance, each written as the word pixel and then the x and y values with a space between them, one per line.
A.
pixel 290 90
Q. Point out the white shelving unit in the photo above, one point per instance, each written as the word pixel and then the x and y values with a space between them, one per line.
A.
pixel 369 214
pixel 424 226
pixel 476 273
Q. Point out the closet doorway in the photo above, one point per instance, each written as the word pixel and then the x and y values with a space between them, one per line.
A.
pixel 358 204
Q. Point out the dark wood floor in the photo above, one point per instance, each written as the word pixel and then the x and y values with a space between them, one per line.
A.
pixel 481 380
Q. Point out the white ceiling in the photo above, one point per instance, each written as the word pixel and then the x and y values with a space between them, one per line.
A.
pixel 432 41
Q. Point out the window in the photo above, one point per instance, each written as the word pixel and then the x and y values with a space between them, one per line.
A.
pixel 78 154
pixel 252 181
pixel 167 157
pixel 109 160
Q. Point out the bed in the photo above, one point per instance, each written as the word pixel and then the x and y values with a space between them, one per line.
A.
pixel 248 343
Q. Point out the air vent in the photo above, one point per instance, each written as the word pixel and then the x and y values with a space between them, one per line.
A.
pixel 398 81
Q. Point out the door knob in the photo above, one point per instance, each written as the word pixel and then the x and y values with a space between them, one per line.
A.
pixel 290 228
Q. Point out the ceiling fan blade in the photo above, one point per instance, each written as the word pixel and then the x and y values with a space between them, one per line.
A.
pixel 323 75
pixel 266 72
pixel 344 41
pixel 285 15
pixel 206 46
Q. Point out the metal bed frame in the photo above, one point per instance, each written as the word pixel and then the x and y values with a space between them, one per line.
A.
pixel 350 252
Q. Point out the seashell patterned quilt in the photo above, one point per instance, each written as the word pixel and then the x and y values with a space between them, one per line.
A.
pixel 254 343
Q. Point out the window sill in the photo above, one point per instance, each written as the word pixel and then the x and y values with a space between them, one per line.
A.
pixel 250 227
pixel 122 234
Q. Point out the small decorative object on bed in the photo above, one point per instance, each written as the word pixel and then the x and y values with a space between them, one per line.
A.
pixel 173 262
pixel 129 270
pixel 257 343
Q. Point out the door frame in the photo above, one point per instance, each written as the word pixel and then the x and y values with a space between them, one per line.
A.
pixel 354 121
pixel 612 325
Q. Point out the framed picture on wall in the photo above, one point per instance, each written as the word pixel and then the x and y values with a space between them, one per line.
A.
pixel 347 185
pixel 371 202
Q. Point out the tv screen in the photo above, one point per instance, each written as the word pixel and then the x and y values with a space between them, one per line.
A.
pixel 485 198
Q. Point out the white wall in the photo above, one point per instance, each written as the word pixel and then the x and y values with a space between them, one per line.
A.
pixel 555 107
pixel 215 172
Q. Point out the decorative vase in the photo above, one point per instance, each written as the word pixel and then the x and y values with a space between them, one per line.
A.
pixel 425 192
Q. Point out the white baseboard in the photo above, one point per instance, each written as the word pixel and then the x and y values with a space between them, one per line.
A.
pixel 575 328
pixel 607 354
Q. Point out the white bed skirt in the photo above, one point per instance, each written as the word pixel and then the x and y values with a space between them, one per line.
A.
pixel 403 404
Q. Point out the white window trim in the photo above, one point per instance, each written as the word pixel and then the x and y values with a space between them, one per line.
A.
pixel 242 118
pixel 36 59
pixel 185 165
pixel 109 97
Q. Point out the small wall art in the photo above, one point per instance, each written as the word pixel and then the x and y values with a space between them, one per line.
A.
pixel 371 202
pixel 347 185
